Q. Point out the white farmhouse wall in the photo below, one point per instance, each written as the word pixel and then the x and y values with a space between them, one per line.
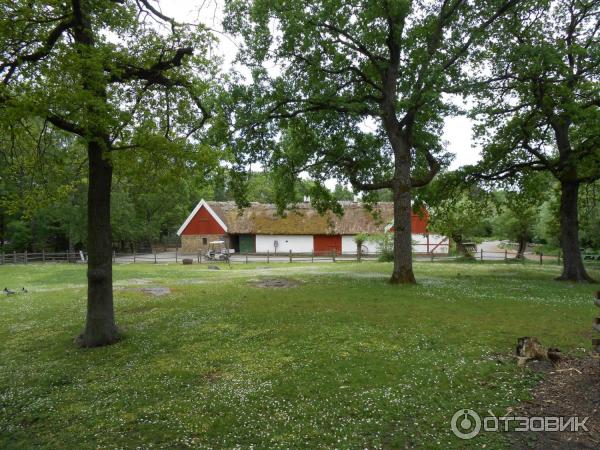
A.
pixel 419 244
pixel 304 244
pixel 295 243
pixel 349 246
pixel 371 247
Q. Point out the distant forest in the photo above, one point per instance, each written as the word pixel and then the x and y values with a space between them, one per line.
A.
pixel 43 200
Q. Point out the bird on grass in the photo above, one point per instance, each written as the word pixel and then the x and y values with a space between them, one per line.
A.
pixel 8 291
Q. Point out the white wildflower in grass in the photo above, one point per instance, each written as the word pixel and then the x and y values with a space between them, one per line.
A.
pixel 341 360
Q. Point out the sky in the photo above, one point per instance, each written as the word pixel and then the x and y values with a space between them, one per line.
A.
pixel 457 129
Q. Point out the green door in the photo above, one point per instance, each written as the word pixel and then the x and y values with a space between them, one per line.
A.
pixel 246 243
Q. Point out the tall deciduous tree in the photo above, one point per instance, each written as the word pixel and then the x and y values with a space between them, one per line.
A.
pixel 98 70
pixel 359 91
pixel 542 105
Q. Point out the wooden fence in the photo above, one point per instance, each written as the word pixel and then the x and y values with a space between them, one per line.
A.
pixel 236 258
pixel 42 257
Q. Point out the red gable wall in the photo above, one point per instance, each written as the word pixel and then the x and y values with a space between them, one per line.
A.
pixel 202 223
pixel 418 223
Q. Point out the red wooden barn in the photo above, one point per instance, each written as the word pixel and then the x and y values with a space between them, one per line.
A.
pixel 259 229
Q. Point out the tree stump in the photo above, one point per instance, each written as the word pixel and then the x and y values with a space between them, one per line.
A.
pixel 530 348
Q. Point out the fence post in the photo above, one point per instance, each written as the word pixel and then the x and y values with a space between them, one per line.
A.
pixel 333 255
pixel 290 255
pixel 541 258
pixel 481 254
pixel 267 256
pixel 505 255
pixel 25 256
pixel 133 254
pixel 198 256
pixel 154 256
pixel 114 256
pixel 14 257
pixel 432 255
pixel 2 258
pixel 43 255
pixel 312 256
pixel 558 262
pixel 176 251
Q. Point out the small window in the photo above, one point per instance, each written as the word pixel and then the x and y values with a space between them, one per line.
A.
pixel 204 241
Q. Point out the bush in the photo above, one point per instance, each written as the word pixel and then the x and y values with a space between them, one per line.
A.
pixel 385 242
pixel 386 256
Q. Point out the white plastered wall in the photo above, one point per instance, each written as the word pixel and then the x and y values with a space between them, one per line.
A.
pixel 419 241
pixel 349 246
pixel 295 243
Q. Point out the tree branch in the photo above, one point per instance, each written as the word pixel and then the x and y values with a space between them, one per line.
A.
pixel 434 168
pixel 153 74
pixel 64 124
pixel 39 54
pixel 473 35
pixel 352 173
pixel 155 11
pixel 352 43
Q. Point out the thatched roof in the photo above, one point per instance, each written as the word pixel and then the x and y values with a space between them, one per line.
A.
pixel 261 218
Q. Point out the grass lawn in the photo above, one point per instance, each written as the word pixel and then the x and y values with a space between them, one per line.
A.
pixel 343 360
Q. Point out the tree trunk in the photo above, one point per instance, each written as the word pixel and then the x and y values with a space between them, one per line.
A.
pixel 573 268
pixel 403 266
pixel 100 327
pixel 522 248
pixel 2 230
pixel 359 251
pixel 460 248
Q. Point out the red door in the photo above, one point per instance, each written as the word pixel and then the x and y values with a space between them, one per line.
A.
pixel 327 244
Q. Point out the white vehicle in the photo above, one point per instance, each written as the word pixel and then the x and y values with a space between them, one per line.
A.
pixel 217 251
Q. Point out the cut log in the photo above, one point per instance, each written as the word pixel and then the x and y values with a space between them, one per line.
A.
pixel 530 348
pixel 187 261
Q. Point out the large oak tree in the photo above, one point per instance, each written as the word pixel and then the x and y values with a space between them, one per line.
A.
pixel 116 74
pixel 357 91
pixel 539 96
